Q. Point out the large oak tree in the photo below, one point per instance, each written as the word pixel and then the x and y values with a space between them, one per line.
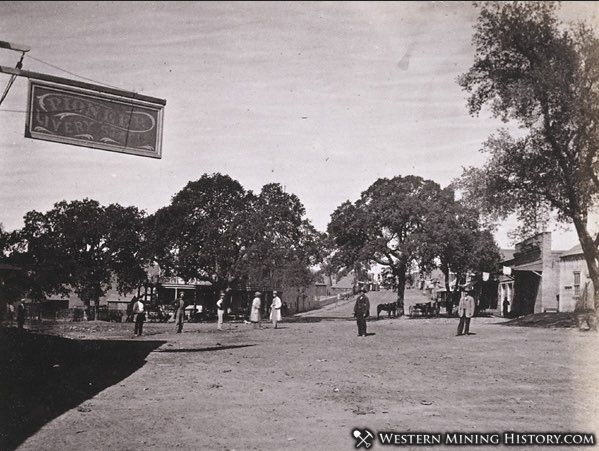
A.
pixel 84 247
pixel 384 226
pixel 216 230
pixel 456 242
pixel 542 75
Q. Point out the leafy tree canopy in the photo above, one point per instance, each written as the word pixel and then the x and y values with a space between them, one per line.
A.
pixel 384 225
pixel 81 245
pixel 216 230
pixel 541 75
pixel 455 240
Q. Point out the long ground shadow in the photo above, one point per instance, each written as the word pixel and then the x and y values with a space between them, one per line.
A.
pixel 212 348
pixel 43 376
pixel 549 320
pixel 316 319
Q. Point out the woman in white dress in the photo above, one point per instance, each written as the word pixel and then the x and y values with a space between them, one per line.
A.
pixel 255 312
pixel 275 309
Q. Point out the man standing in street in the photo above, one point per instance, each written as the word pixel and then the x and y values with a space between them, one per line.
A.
pixel 220 310
pixel 506 307
pixel 465 312
pixel 180 313
pixel 138 317
pixel 361 312
pixel 21 313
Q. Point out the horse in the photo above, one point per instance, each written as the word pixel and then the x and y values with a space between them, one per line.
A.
pixel 391 307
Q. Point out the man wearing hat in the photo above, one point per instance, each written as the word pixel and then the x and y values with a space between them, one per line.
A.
pixel 220 310
pixel 255 312
pixel 465 312
pixel 275 309
pixel 361 312
pixel 138 317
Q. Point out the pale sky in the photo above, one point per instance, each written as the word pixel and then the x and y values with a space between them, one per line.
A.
pixel 323 98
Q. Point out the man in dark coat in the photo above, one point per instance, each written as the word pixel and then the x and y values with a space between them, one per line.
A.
pixel 361 312
pixel 506 307
pixel 180 312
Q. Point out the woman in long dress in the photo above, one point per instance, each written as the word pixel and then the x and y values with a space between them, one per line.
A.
pixel 275 309
pixel 255 312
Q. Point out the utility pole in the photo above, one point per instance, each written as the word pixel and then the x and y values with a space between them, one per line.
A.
pixel 17 48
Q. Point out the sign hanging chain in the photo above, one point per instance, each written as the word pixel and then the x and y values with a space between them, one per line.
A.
pixel 12 78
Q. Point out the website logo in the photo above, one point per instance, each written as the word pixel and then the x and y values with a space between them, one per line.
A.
pixel 364 438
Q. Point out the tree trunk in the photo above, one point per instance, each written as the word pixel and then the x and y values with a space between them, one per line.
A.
pixel 455 293
pixel 401 287
pixel 448 294
pixel 591 255
pixel 400 272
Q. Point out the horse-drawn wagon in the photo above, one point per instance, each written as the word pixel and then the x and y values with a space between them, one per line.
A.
pixel 424 309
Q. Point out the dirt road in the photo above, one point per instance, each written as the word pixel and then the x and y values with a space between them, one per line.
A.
pixel 309 383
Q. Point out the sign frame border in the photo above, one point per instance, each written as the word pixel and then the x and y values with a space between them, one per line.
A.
pixel 157 154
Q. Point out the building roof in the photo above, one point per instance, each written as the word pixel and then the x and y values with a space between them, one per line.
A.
pixel 576 250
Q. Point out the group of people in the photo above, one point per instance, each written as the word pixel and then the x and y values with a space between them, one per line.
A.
pixel 139 315
pixel 19 311
pixel 275 309
pixel 465 312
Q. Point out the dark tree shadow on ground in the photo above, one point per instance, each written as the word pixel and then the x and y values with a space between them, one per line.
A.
pixel 549 320
pixel 300 319
pixel 317 319
pixel 213 348
pixel 43 376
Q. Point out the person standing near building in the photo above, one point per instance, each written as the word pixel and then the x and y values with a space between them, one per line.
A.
pixel 139 316
pixel 465 312
pixel 506 307
pixel 255 311
pixel 10 311
pixel 21 313
pixel 220 310
pixel 361 312
pixel 275 309
pixel 180 312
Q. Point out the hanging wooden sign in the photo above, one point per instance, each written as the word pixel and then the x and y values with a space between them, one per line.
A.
pixel 82 117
